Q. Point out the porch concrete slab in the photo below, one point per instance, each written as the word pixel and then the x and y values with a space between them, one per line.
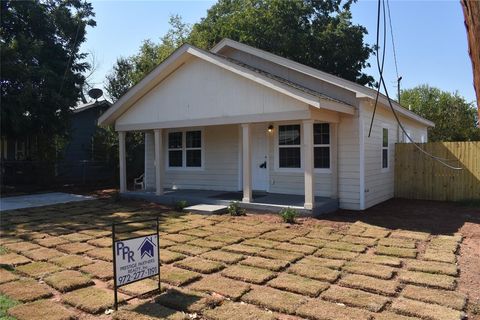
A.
pixel 39 200
pixel 207 208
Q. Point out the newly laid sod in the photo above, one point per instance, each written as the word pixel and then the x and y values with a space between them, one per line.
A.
pixel 280 235
pixel 68 280
pixel 270 264
pixel 101 242
pixel 396 252
pixel 177 276
pixel 297 284
pixel 148 311
pixel 321 310
pixel 289 256
pixel 445 298
pixel 238 311
pixel 443 244
pixel 75 247
pixel 398 242
pixel 101 254
pixel 187 301
pixel 199 265
pixel 425 310
pixel 100 269
pixel 7 276
pixel 323 262
pixel 355 298
pixel 76 237
pixel 41 309
pixel 167 256
pixel 301 248
pixel 243 249
pixel 181 238
pixel 375 233
pixel 25 290
pixel 71 261
pixel 195 232
pixel 227 287
pixel 314 271
pixel 262 243
pixel 379 259
pixel 13 259
pixel 428 279
pixel 346 246
pixel 369 269
pixel 439 256
pixel 421 236
pixel 359 240
pixel 22 246
pixel 274 299
pixel 149 285
pixel 51 242
pixel 387 315
pixel 90 299
pixel 224 238
pixel 433 267
pixel 335 254
pixel 223 256
pixel 42 254
pixel 248 274
pixel 38 269
pixel 206 243
pixel 188 249
pixel 318 243
pixel 374 285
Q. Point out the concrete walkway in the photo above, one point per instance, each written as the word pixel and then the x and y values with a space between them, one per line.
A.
pixel 38 200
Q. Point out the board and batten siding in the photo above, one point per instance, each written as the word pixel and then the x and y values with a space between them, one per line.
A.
pixel 379 182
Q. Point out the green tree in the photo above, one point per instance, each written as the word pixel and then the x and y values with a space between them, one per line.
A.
pixel 319 34
pixel 455 119
pixel 42 68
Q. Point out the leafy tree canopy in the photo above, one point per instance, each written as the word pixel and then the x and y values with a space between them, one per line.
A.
pixel 455 119
pixel 41 66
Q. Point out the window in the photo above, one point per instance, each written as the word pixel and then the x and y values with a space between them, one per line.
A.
pixel 185 145
pixel 321 141
pixel 385 148
pixel 289 146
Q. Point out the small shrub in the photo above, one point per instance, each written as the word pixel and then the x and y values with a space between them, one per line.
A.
pixel 235 210
pixel 180 205
pixel 288 215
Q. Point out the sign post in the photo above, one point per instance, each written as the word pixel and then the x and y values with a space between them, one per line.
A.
pixel 135 259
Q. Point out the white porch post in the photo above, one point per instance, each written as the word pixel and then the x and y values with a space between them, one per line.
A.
pixel 158 162
pixel 246 163
pixel 308 162
pixel 122 160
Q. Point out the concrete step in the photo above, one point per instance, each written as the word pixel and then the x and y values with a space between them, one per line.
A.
pixel 207 208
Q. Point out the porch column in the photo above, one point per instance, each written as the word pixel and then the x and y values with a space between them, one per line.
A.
pixel 158 162
pixel 122 160
pixel 308 162
pixel 246 163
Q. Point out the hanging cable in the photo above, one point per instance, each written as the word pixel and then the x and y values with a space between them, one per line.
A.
pixel 393 40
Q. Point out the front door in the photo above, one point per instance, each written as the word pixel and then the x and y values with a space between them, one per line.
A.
pixel 259 157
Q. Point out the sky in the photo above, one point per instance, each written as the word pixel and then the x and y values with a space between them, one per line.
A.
pixel 430 38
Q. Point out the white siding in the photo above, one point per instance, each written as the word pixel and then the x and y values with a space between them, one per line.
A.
pixel 149 177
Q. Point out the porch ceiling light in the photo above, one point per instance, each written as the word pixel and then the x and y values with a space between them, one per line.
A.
pixel 270 128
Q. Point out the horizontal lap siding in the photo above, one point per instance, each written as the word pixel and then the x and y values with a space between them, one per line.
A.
pixel 348 163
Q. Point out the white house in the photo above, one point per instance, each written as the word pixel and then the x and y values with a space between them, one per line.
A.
pixel 241 119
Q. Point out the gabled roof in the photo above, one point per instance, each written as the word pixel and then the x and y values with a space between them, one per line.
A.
pixel 359 90
pixel 186 51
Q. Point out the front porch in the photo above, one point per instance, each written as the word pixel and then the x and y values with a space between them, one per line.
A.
pixel 262 201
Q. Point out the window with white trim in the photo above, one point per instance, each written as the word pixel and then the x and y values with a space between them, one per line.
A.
pixel 384 148
pixel 289 146
pixel 185 149
pixel 193 148
pixel 321 145
pixel 175 149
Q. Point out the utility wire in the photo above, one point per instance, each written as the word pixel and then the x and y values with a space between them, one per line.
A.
pixel 393 40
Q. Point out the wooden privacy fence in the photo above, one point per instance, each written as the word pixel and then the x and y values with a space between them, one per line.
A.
pixel 418 176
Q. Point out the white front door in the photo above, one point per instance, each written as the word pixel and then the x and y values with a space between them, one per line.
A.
pixel 259 157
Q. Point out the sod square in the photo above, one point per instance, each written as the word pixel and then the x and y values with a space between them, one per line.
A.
pixel 224 238
pixel 428 279
pixel 281 255
pixel 433 267
pixel 71 261
pixel 42 254
pixel 323 310
pixel 314 271
pixel 42 309
pixel 196 233
pixel 181 238
pixel 101 242
pixel 91 299
pixel 199 265
pixel 148 311
pixel 443 244
pixel 7 276
pixel 375 233
pixel 167 256
pixel 355 230
pixel 101 269
pixel 324 234
pixel 139 288
pixel 369 269
pixel 318 243
pixel 323 262
pixel 206 243
pixel 226 287
pixel 396 252
pixel 355 298
pixel 75 247
pixel 22 246
pixel 279 235
pixel 379 259
pixel 297 284
pixel 238 311
pixel 449 299
pixel 164 243
pixel 425 310
pixel 359 240
pixel 38 269
pixel 98 233
pixel 101 253
pixel 296 248
pixel 335 254
pixel 223 256
pixel 262 243
pixel 188 249
pixel 77 237
pixel 398 242
pixel 243 249
pixel 186 301
pixel 346 246
pixel 13 259
pixel 274 299
pixel 176 276
pixel 270 264
pixel 387 315
pixel 248 274
pixel 68 280
pixel 439 256
pixel 420 236
pixel 374 285
pixel 50 242
pixel 25 290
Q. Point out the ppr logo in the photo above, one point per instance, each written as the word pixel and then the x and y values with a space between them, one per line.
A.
pixel 125 251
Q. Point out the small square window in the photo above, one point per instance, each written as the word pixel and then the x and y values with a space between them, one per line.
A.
pixel 175 140
pixel 194 139
pixel 289 157
pixel 175 158
pixel 321 133
pixel 194 158
pixel 289 135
